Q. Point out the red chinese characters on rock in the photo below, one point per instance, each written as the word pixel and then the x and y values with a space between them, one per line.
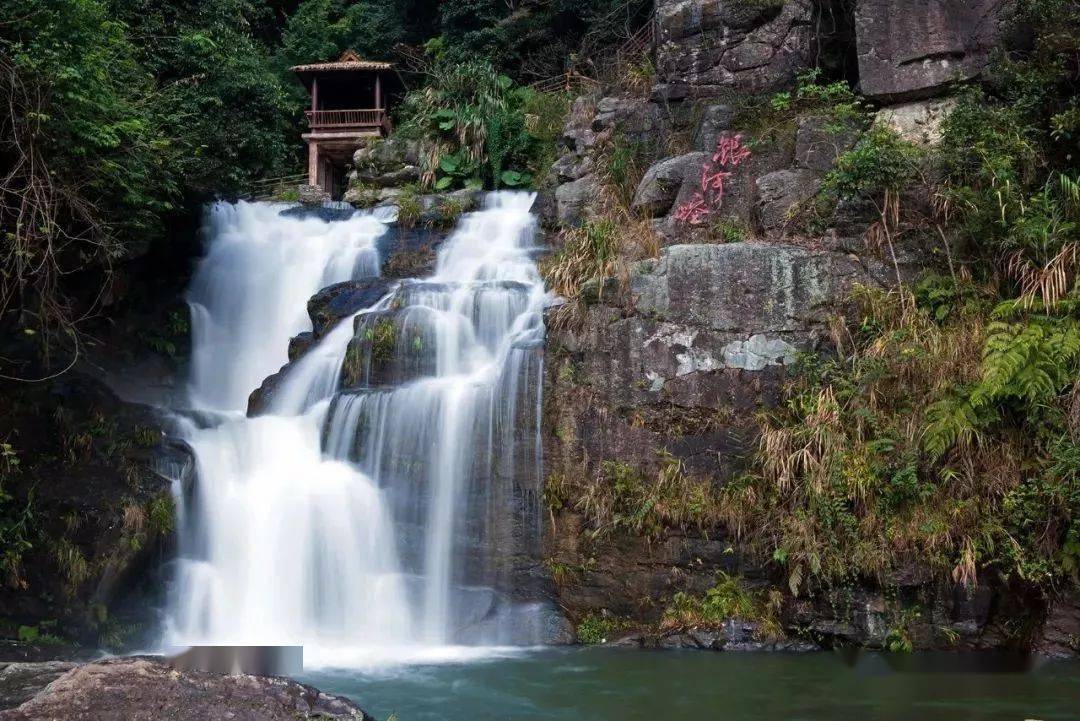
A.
pixel 729 153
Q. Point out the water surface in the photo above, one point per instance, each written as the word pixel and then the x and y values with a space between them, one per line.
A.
pixel 594 684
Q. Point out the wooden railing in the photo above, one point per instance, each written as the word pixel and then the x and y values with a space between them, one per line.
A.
pixel 613 69
pixel 271 188
pixel 342 119
pixel 570 82
pixel 638 46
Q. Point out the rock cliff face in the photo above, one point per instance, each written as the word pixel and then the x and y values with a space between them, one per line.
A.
pixel 700 344
pixel 708 47
pixel 672 365
pixel 910 50
pixel 97 514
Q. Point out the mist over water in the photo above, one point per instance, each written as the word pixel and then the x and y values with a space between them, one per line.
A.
pixel 375 519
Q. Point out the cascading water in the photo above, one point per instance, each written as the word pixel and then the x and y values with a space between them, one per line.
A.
pixel 382 503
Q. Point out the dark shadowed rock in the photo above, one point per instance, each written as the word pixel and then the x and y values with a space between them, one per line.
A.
pixel 736 634
pixel 88 455
pixel 145 689
pixel 341 300
pixel 1060 636
pixel 911 49
pixel 660 185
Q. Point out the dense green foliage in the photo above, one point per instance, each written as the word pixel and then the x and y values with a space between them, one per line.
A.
pixel 524 39
pixel 125 114
pixel 479 128
pixel 534 39
pixel 223 104
pixel 323 29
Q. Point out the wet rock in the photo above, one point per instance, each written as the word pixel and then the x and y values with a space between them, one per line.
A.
pixel 780 193
pixel 313 195
pixel 361 197
pixel 300 344
pixel 328 211
pixel 819 140
pixel 736 634
pixel 919 122
pixel 141 688
pixel 341 300
pixel 327 308
pixel 1060 637
pixel 660 185
pixel 909 50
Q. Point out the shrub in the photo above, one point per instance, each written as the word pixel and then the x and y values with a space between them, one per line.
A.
pixel 476 127
pixel 162 516
pixel 409 205
pixel 620 498
pixel 588 253
pixel 881 162
pixel 623 162
pixel 595 628
pixel 727 599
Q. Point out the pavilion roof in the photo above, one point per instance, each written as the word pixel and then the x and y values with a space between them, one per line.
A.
pixel 349 60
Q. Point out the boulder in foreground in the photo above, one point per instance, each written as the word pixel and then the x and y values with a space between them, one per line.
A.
pixel 147 689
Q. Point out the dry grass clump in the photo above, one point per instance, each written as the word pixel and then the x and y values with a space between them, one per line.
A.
pixel 622 498
pixel 881 458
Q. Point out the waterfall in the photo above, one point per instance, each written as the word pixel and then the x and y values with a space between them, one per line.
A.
pixel 383 504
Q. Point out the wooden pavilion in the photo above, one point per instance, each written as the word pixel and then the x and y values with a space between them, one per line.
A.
pixel 348 105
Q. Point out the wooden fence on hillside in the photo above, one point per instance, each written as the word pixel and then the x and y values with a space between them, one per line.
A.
pixel 611 69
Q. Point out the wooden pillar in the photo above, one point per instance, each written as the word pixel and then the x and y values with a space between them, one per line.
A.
pixel 312 162
pixel 378 92
pixel 315 93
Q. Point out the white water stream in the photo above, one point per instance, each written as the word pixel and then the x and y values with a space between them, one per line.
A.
pixel 359 522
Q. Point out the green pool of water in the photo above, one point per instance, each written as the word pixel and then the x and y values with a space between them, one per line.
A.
pixel 598 684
